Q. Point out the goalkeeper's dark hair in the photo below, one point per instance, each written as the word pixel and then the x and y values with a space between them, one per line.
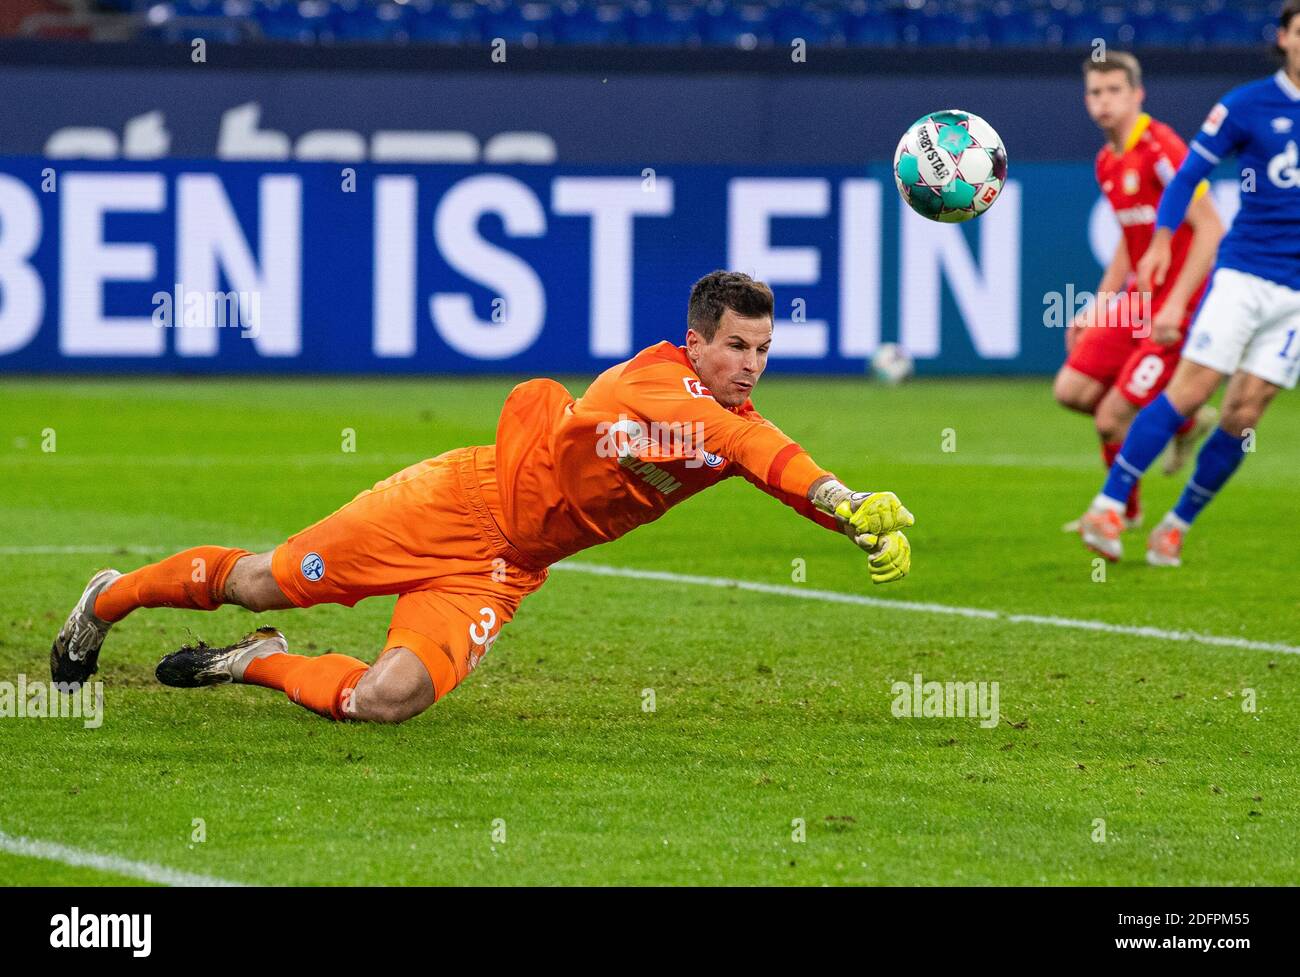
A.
pixel 720 290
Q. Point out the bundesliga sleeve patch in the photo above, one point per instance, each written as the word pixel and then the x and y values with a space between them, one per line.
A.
pixel 1215 119
pixel 695 388
pixel 1164 170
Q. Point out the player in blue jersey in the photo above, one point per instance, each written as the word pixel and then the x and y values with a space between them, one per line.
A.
pixel 1248 325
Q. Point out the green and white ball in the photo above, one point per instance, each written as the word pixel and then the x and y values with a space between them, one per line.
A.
pixel 890 364
pixel 950 166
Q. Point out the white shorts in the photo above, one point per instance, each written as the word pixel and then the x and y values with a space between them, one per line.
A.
pixel 1250 324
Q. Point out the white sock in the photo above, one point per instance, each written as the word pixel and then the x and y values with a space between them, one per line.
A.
pixel 1174 520
pixel 1103 501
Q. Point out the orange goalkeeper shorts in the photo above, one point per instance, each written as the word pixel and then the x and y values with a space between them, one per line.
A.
pixel 428 534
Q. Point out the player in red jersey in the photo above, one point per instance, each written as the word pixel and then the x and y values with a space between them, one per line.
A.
pixel 1123 348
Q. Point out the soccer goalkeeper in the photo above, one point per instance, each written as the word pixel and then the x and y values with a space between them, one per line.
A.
pixel 465 536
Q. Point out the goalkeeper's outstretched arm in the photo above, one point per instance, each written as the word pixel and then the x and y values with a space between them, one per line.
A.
pixel 873 520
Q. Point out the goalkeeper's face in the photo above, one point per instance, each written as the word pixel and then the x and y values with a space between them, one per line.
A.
pixel 731 364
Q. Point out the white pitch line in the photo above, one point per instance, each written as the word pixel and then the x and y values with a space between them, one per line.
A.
pixel 104 550
pixel 803 593
pixel 60 550
pixel 52 851
pixel 837 597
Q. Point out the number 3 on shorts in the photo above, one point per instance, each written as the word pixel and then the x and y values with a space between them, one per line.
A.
pixel 481 634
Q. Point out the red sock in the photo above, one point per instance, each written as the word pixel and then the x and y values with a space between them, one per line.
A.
pixel 1134 504
pixel 323 684
pixel 1187 426
pixel 194 579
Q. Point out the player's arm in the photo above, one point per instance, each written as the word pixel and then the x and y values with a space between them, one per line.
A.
pixel 1112 280
pixel 873 520
pixel 799 503
pixel 663 394
pixel 889 553
pixel 1219 137
pixel 1207 232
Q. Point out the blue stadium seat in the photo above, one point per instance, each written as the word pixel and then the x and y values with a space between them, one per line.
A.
pixel 1023 31
pixel 371 22
pixel 446 23
pixel 818 24
pixel 1016 24
pixel 598 23
pixel 674 23
pixel 742 25
pixel 530 24
pixel 873 28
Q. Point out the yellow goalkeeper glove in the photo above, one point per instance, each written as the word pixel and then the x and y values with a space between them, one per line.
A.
pixel 872 520
pixel 890 559
pixel 875 513
pixel 856 513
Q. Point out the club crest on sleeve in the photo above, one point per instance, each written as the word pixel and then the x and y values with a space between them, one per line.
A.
pixel 313 567
pixel 695 388
pixel 1215 119
pixel 712 460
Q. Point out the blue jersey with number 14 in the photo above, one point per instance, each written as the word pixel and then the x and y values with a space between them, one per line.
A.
pixel 1260 124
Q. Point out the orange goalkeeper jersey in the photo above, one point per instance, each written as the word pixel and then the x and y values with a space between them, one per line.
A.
pixel 568 474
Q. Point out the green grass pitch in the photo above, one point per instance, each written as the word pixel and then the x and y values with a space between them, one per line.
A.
pixel 768 708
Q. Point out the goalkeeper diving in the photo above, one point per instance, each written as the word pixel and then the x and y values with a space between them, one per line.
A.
pixel 462 538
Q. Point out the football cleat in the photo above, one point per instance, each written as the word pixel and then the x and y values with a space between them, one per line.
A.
pixel 1129 523
pixel 1165 545
pixel 1180 449
pixel 198 665
pixel 1100 530
pixel 74 656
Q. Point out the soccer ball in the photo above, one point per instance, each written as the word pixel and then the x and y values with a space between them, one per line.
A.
pixel 950 166
pixel 891 365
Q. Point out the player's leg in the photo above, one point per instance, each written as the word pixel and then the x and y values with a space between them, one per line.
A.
pixel 394 689
pixel 1112 419
pixel 339 559
pixel 1145 374
pixel 1092 368
pixel 1095 360
pixel 1269 361
pixel 435 640
pixel 252 585
pixel 1077 391
pixel 1244 403
pixel 195 578
pixel 1151 431
pixel 1225 323
pixel 420 535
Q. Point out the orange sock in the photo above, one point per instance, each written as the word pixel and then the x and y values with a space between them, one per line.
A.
pixel 322 684
pixel 194 579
